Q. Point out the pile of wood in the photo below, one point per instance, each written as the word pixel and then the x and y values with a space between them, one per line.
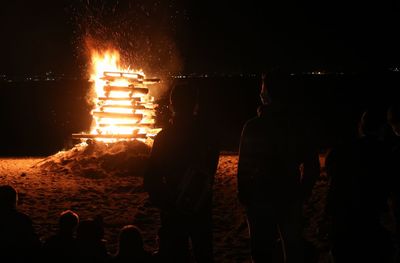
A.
pixel 124 106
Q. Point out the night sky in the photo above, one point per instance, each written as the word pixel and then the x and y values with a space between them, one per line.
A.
pixel 200 36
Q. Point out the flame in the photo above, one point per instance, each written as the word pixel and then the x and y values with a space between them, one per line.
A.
pixel 123 106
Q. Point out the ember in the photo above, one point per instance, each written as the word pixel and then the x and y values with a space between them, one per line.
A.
pixel 124 109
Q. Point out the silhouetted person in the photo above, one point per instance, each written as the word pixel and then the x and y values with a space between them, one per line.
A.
pixel 276 173
pixel 62 247
pixel 393 118
pixel 358 195
pixel 18 240
pixel 130 247
pixel 91 245
pixel 179 181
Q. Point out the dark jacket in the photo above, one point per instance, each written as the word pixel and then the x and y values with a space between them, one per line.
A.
pixel 143 257
pixel 18 239
pixel 358 201
pixel 60 248
pixel 360 182
pixel 276 163
pixel 181 145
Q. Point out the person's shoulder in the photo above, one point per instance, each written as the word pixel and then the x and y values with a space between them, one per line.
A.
pixel 255 121
pixel 162 134
pixel 343 150
pixel 18 221
pixel 335 151
pixel 252 125
pixel 22 218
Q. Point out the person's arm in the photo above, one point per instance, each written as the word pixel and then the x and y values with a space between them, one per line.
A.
pixel 244 175
pixel 153 177
pixel 311 172
pixel 213 156
pixel 328 210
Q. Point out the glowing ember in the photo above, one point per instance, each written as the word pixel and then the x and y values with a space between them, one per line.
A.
pixel 123 110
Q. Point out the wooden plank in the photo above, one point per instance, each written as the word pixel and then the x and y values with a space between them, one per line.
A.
pixel 151 81
pixel 133 108
pixel 108 136
pixel 147 112
pixel 125 75
pixel 102 114
pixel 130 88
pixel 120 99
pixel 138 125
pixel 128 107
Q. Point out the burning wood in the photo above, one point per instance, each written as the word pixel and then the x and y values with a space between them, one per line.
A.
pixel 124 108
pixel 128 125
pixel 122 75
pixel 112 106
pixel 105 114
pixel 132 89
pixel 108 136
pixel 133 99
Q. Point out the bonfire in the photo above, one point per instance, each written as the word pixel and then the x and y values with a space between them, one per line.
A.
pixel 123 107
pixel 123 126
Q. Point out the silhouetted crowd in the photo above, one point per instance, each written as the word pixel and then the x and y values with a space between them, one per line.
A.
pixel 75 240
pixel 277 170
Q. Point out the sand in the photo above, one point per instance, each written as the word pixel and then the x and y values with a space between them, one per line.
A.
pixel 120 199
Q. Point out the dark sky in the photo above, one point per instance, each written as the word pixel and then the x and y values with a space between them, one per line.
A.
pixel 201 36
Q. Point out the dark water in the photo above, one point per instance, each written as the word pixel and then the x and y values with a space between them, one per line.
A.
pixel 38 118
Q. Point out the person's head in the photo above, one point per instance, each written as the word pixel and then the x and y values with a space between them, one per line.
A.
pixel 393 117
pixel 130 240
pixel 183 99
pixel 273 87
pixel 90 230
pixel 68 221
pixel 8 197
pixel 371 123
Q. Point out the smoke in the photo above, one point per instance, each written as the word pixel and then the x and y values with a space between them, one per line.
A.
pixel 144 32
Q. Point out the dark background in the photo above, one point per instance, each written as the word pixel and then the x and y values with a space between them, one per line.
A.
pixel 38 118
pixel 201 36
pixel 177 37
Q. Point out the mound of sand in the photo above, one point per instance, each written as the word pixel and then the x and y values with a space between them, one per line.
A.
pixel 98 160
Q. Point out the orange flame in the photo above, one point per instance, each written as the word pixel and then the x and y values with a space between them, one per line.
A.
pixel 123 108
